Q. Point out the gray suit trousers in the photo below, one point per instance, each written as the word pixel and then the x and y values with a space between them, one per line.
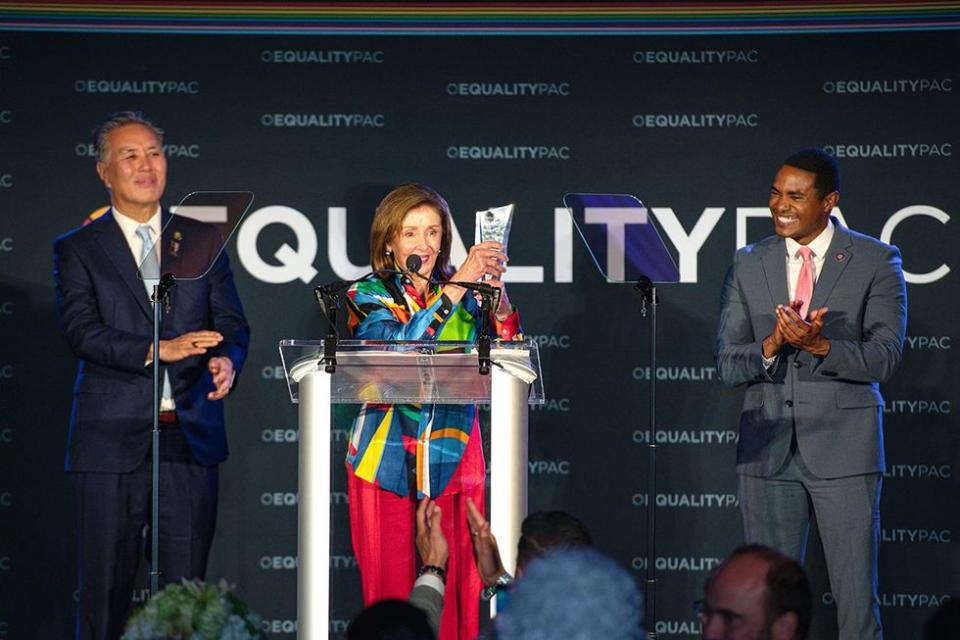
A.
pixel 776 512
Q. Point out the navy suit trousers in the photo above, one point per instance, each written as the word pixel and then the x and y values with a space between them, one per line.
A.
pixel 113 519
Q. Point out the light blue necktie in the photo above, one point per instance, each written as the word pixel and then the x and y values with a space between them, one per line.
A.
pixel 150 270
pixel 149 266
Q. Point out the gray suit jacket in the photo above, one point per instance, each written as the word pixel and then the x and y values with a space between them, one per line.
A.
pixel 430 601
pixel 834 402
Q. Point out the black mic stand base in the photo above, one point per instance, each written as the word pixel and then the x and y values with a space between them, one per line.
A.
pixel 648 304
pixel 161 292
pixel 483 340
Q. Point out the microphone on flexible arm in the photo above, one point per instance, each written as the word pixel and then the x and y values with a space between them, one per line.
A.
pixel 328 297
pixel 413 264
pixel 487 293
pixel 330 290
pixel 162 291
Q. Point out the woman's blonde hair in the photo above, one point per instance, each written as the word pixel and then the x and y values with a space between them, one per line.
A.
pixel 388 222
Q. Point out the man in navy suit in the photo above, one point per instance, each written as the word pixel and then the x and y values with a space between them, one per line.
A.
pixel 107 317
pixel 811 350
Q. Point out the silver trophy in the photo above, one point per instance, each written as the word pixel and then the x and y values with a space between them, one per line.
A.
pixel 494 224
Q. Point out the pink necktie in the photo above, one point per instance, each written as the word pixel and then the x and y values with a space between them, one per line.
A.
pixel 805 280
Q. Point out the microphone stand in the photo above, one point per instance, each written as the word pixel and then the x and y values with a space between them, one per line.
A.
pixel 487 295
pixel 649 300
pixel 328 296
pixel 161 293
pixel 483 340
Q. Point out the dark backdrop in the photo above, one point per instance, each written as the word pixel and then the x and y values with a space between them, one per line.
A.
pixel 319 126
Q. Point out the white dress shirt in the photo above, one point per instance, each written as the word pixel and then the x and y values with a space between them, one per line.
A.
pixel 129 226
pixel 819 247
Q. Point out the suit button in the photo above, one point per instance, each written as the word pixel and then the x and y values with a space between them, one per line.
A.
pixel 788 403
pixel 797 364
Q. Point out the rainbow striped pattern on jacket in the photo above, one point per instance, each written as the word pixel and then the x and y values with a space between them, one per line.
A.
pixel 408 447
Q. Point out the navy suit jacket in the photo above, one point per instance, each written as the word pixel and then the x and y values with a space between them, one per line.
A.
pixel 108 320
pixel 833 403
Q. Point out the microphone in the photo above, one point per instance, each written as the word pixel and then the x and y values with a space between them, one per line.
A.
pixel 164 285
pixel 648 294
pixel 413 264
pixel 328 297
pixel 487 292
pixel 336 286
pixel 333 287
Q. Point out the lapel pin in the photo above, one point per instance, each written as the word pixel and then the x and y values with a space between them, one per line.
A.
pixel 840 257
pixel 175 244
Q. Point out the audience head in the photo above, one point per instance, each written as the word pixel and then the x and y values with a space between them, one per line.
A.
pixel 757 593
pixel 573 594
pixel 545 530
pixel 390 620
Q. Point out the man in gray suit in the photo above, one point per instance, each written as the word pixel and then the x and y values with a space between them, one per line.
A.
pixel 810 426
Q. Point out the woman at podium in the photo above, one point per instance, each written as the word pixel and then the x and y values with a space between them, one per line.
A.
pixel 398 454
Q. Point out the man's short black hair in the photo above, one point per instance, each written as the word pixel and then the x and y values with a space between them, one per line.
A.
pixel 787 586
pixel 820 163
pixel 543 530
pixel 390 620
pixel 115 121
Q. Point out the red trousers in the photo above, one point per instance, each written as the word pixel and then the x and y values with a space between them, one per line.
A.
pixel 383 532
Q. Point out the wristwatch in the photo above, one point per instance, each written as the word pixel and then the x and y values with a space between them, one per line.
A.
pixel 502 583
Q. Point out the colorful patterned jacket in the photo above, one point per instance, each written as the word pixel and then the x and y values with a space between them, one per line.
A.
pixel 407 447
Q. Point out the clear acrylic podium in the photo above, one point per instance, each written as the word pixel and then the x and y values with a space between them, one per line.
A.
pixel 404 372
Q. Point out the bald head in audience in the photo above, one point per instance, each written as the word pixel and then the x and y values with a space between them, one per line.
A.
pixel 757 593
